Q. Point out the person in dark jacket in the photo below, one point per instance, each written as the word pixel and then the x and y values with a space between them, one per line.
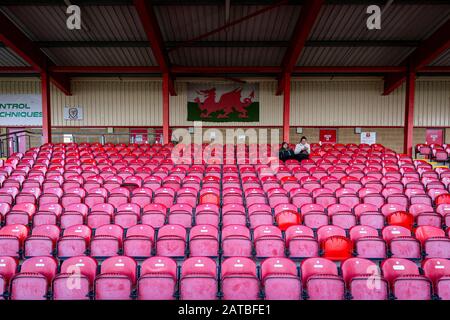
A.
pixel 285 152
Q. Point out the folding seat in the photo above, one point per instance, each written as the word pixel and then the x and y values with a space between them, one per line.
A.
pixel 363 280
pixel 51 195
pixel 154 215
pixel 204 241
pixel 74 242
pixel 198 279
pixel 314 216
pixel 141 196
pixel 76 279
pixel 187 195
pixel 42 241
pixel 101 214
pixel 233 214
pixel 435 193
pixel 301 243
pixel 21 214
pixel 310 185
pixel 28 195
pixel 337 247
pixel 96 196
pixel 181 214
pixel 300 197
pixel 232 195
pixel 239 279
pixel 434 242
pixel 107 241
pixel 286 215
pixel 268 242
pixel 255 196
pixel 33 281
pixel 438 271
pixel 401 218
pixel 347 197
pixel 425 215
pixel 279 279
pixel 236 241
pixel 367 243
pixel 164 196
pixel 139 241
pixel 8 194
pixel 116 280
pixel 12 238
pixel 325 232
pixel 442 199
pixel 341 216
pixel 369 215
pixel 401 243
pixel 171 241
pixel 405 280
pixel 209 195
pixel 390 208
pixel 158 280
pixel 210 181
pixel 259 215
pixel 418 196
pixel 321 281
pixel 8 268
pixel 119 196
pixel 127 215
pixel 207 214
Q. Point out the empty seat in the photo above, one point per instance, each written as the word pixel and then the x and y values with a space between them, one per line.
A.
pixel 198 279
pixel 438 271
pixel 33 281
pixel 12 238
pixel 8 268
pixel 42 241
pixel 139 241
pixel 239 279
pixel 233 214
pixel 405 280
pixel 367 243
pixel 21 214
pixel 204 241
pixel 321 281
pixel 171 241
pixel 363 280
pixel 181 214
pixel 301 243
pixel 401 243
pixel 74 242
pixel 74 214
pixel 236 241
pixel 434 242
pixel 314 216
pixel 158 280
pixel 76 279
pixel 268 242
pixel 116 280
pixel 259 215
pixel 127 215
pixel 107 241
pixel 280 280
pixel 154 215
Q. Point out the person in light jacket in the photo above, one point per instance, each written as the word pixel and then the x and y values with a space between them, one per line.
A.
pixel 302 150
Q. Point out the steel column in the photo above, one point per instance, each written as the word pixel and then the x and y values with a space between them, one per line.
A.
pixel 409 112
pixel 46 108
pixel 166 109
pixel 286 105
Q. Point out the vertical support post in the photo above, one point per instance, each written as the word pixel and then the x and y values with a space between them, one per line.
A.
pixel 409 112
pixel 46 111
pixel 165 98
pixel 286 105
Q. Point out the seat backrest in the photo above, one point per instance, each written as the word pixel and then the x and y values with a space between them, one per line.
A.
pixel 365 207
pixel 233 208
pixel 112 230
pixel 298 231
pixel 423 233
pixel 199 266
pixel 327 231
pixel 416 209
pixel 16 230
pixel 259 208
pixel 103 207
pixel 181 207
pixel 8 267
pixel 284 207
pixel 50 230
pixel 172 231
pixel 436 268
pixel 314 266
pixel 76 207
pixel 120 265
pixel 155 208
pixel 141 230
pixel 79 231
pixel 203 231
pixel 354 267
pixel 159 266
pixel 129 207
pixel 47 266
pixel 266 231
pixel 396 267
pixel 278 266
pixel 306 208
pixel 391 232
pixel 335 208
pixel 359 231
pixel 390 208
pixel 85 266
pixel 235 230
pixel 238 266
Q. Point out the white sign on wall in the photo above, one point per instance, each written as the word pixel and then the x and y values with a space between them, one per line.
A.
pixel 73 113
pixel 20 110
pixel 369 137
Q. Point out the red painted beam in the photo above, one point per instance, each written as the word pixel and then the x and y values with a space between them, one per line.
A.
pixel 104 69
pixel 17 41
pixel 308 16
pixel 223 70
pixel 409 113
pixel 286 106
pixel 46 108
pixel 166 107
pixel 18 70
pixel 426 53
pixel 154 36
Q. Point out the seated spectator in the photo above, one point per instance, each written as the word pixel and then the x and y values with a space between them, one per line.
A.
pixel 285 152
pixel 302 150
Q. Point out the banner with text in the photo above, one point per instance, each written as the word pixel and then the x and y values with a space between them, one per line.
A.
pixel 223 102
pixel 20 110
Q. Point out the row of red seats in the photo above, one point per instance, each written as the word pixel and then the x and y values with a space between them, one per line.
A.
pixel 434 152
pixel 237 278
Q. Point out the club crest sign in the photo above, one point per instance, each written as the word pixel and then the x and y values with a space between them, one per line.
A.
pixel 223 102
pixel 73 113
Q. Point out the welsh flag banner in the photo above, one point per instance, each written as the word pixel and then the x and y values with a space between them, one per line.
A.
pixel 223 102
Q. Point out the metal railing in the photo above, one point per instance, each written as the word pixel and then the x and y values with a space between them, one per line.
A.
pixel 15 141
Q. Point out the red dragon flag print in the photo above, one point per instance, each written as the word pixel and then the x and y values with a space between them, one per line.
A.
pixel 223 102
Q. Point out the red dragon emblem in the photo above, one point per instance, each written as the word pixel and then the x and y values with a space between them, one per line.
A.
pixel 229 102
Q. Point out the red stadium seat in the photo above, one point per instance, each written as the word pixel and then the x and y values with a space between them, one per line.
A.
pixel 198 279
pixel 158 280
pixel 438 271
pixel 321 281
pixel 116 280
pixel 280 280
pixel 239 279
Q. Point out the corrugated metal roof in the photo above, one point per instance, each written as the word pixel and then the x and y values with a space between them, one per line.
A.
pixel 101 56
pixel 443 60
pixel 180 23
pixel 10 59
pixel 353 56
pixel 228 56
pixel 48 23
pixel 398 22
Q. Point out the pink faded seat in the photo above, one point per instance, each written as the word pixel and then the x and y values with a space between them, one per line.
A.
pixel 116 280
pixel 158 280
pixel 198 279
pixel 239 279
pixel 280 280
